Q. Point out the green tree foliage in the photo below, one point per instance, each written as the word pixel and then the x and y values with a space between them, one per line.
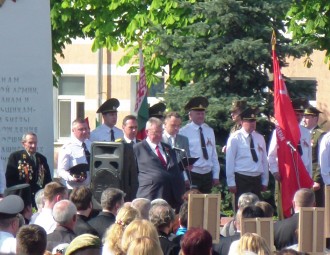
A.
pixel 309 22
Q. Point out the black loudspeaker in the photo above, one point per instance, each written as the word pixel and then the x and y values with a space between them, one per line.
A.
pixel 106 167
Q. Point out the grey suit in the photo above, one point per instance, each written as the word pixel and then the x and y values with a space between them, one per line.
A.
pixel 181 142
pixel 156 181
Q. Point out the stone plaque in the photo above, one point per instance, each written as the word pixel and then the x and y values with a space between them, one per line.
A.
pixel 26 88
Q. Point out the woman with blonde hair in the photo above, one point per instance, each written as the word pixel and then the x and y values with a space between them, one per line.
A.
pixel 144 246
pixel 136 229
pixel 113 235
pixel 251 242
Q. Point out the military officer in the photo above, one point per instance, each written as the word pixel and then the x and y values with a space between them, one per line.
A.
pixel 310 120
pixel 107 132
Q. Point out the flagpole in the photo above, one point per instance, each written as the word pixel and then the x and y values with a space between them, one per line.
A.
pixel 279 186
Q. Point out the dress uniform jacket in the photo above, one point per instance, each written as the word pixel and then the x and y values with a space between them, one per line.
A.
pixel 21 169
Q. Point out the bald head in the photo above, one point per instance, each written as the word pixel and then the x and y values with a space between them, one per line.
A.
pixel 304 198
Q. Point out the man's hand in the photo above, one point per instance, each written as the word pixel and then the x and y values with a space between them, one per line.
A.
pixel 232 189
pixel 277 176
pixel 316 186
pixel 216 182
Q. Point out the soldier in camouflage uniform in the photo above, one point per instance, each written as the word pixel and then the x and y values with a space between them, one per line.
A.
pixel 311 117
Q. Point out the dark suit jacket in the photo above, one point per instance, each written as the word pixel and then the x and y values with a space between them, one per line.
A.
pixel 156 181
pixel 82 226
pixel 20 163
pixel 60 235
pixel 101 222
pixel 223 247
pixel 181 142
pixel 129 175
pixel 168 247
pixel 285 232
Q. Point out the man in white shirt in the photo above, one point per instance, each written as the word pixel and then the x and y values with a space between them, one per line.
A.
pixel 324 158
pixel 205 172
pixel 73 153
pixel 10 206
pixel 304 147
pixel 53 192
pixel 246 158
pixel 107 132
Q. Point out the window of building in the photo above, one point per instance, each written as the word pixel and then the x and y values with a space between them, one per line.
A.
pixel 70 103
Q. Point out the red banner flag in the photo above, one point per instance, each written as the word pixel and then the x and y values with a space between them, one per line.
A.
pixel 291 167
pixel 141 104
pixel 142 88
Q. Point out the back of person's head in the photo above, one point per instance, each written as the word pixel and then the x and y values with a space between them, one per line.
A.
pixel 31 240
pixel 266 207
pixel 144 246
pixel 81 197
pixel 54 189
pixel 143 206
pixel 252 211
pixel 253 243
pixel 158 201
pixel 185 196
pixel 110 197
pixel 161 216
pixel 85 244
pixel 288 252
pixel 247 199
pixel 138 228
pixel 114 234
pixel 196 241
pixel 304 198
pixel 183 214
pixel 64 212
pixel 39 198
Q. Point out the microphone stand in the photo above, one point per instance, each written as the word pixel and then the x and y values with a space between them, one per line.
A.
pixel 185 169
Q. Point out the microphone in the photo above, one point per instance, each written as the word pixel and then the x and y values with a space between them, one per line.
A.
pixel 178 149
pixel 291 146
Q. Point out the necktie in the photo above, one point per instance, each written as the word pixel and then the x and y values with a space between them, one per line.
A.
pixel 300 151
pixel 160 156
pixel 205 155
pixel 87 153
pixel 253 151
pixel 112 135
pixel 132 142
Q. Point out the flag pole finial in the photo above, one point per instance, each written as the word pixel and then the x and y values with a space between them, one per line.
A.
pixel 273 40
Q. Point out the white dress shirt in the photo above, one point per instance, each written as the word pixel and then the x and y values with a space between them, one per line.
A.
pixel 7 243
pixel 239 158
pixel 102 133
pixel 45 219
pixel 202 165
pixel 71 154
pixel 324 158
pixel 305 143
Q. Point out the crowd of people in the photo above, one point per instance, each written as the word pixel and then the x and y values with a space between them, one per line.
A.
pixel 156 174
